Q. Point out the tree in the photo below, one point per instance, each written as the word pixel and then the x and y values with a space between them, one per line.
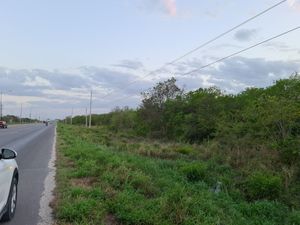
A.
pixel 202 109
pixel 153 106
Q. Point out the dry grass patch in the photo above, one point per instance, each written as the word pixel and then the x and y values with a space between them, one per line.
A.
pixel 110 219
pixel 84 182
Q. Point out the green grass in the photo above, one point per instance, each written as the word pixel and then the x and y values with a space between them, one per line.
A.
pixel 106 178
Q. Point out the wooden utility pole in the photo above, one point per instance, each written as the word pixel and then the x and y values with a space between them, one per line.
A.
pixel 90 120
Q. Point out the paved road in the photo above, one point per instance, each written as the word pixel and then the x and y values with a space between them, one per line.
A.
pixel 34 145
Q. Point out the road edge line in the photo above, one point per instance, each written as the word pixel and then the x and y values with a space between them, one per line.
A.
pixel 46 211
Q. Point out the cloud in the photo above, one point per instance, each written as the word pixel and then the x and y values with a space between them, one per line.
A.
pixel 294 4
pixel 53 94
pixel 51 91
pixel 235 74
pixel 36 82
pixel 216 8
pixel 280 46
pixel 170 6
pixel 245 34
pixel 130 64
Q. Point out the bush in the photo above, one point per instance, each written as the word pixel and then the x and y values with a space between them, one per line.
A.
pixel 176 205
pixel 78 210
pixel 264 212
pixel 195 171
pixel 142 182
pixel 185 150
pixel 263 186
pixel 294 218
pixel 289 150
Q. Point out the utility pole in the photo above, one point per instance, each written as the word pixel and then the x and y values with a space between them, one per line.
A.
pixel 1 106
pixel 90 120
pixel 86 118
pixel 1 103
pixel 72 116
pixel 21 111
pixel 30 115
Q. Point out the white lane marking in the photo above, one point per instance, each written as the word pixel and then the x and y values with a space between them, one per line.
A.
pixel 45 211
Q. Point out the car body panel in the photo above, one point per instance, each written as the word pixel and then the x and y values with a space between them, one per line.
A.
pixel 7 171
pixel 3 124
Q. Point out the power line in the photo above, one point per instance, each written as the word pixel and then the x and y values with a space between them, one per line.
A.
pixel 241 51
pixel 227 57
pixel 203 45
pixel 227 32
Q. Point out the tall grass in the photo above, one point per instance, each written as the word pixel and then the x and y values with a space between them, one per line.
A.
pixel 106 178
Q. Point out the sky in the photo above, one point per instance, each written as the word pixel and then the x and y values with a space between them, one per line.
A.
pixel 53 52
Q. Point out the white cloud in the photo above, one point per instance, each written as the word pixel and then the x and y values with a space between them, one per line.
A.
pixel 206 80
pixel 170 6
pixel 30 100
pixel 235 74
pixel 55 93
pixel 130 64
pixel 60 94
pixel 36 82
pixel 295 4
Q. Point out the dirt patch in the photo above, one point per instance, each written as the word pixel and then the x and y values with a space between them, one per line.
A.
pixel 110 219
pixel 159 155
pixel 85 182
pixel 69 163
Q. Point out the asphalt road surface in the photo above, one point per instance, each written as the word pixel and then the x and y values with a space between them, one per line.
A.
pixel 34 145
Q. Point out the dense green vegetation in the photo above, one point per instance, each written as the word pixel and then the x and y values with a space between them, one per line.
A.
pixel 199 157
pixel 105 177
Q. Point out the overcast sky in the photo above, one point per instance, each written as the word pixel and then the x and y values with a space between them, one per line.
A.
pixel 52 52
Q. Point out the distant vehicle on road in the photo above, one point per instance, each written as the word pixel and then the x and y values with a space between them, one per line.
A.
pixel 9 177
pixel 3 124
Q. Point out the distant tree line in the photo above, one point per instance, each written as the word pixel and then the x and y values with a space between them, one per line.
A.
pixel 11 119
pixel 254 118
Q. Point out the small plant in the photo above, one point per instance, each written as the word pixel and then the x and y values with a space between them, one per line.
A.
pixel 294 218
pixel 261 185
pixel 142 182
pixel 176 206
pixel 185 150
pixel 195 171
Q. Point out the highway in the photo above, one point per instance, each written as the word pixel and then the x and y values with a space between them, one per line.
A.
pixel 34 145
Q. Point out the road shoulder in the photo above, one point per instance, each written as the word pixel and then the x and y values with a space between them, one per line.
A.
pixel 45 211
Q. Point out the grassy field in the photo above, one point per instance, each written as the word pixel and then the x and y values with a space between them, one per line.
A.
pixel 107 178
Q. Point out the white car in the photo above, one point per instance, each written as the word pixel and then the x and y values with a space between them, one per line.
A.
pixel 9 177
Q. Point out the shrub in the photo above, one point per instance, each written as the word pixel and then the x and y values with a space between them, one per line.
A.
pixel 185 150
pixel 294 218
pixel 289 150
pixel 195 171
pixel 78 210
pixel 142 182
pixel 264 212
pixel 263 186
pixel 176 205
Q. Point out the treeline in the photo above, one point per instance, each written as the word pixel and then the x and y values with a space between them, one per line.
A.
pixel 11 119
pixel 257 118
pixel 256 131
pixel 261 116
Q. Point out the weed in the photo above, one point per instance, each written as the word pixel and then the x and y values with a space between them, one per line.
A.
pixel 195 171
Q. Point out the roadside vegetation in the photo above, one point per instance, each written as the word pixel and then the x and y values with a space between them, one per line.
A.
pixel 201 157
pixel 11 119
